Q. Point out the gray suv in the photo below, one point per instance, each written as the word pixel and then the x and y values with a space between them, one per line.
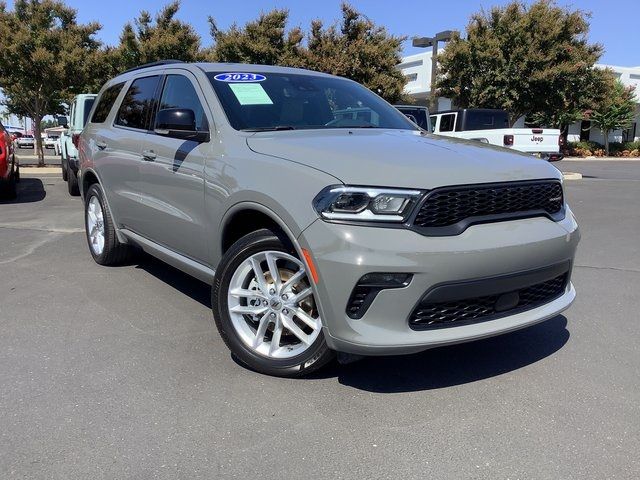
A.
pixel 323 218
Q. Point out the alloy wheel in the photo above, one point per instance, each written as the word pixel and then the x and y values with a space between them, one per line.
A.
pixel 272 306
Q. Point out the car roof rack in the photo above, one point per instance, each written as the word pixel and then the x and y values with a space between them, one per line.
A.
pixel 153 64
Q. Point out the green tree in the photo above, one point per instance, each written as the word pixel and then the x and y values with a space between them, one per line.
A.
pixel 48 124
pixel 615 111
pixel 149 40
pixel 529 60
pixel 358 49
pixel 263 41
pixel 46 57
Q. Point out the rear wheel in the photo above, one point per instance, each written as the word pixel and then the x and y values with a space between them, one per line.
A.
pixel 64 169
pixel 72 182
pixel 265 308
pixel 100 231
pixel 8 189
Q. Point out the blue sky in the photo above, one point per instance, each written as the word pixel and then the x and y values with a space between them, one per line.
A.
pixel 615 24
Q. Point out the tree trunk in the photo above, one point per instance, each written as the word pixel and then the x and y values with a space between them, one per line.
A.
pixel 606 142
pixel 37 135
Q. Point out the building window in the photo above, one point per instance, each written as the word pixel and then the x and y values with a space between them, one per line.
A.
pixel 629 135
pixel 585 130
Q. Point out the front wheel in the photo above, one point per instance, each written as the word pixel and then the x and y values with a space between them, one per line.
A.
pixel 265 308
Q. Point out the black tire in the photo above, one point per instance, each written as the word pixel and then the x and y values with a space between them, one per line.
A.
pixel 17 174
pixel 72 183
pixel 63 164
pixel 8 189
pixel 114 252
pixel 313 358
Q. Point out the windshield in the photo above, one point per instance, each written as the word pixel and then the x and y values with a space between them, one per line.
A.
pixel 282 101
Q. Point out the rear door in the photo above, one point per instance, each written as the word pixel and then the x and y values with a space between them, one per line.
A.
pixel 172 174
pixel 121 145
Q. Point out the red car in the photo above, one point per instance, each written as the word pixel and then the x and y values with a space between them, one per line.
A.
pixel 9 169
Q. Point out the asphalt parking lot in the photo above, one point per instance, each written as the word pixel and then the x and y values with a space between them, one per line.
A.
pixel 120 373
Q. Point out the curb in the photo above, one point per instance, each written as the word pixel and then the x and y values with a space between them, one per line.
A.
pixel 40 170
pixel 572 175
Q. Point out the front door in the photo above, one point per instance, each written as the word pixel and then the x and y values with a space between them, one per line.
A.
pixel 172 175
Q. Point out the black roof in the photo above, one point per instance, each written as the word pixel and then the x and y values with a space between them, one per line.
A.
pixel 469 110
pixel 153 64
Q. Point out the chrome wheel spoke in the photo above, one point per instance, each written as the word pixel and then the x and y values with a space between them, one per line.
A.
pixel 303 316
pixel 295 329
pixel 260 332
pixel 257 270
pixel 249 309
pixel 275 339
pixel 301 296
pixel 244 293
pixel 273 269
pixel 299 275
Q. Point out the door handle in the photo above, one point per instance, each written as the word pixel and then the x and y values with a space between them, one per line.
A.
pixel 101 145
pixel 149 155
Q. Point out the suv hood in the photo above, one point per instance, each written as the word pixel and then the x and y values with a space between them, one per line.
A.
pixel 400 158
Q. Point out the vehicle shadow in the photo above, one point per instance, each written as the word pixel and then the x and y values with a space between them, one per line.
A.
pixel 30 190
pixel 429 370
pixel 184 283
pixel 456 364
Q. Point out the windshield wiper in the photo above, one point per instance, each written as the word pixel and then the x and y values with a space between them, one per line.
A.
pixel 269 129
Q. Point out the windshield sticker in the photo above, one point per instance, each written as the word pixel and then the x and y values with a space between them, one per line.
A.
pixel 239 77
pixel 250 94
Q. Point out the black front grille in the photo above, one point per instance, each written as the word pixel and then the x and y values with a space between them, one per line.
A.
pixel 471 310
pixel 453 209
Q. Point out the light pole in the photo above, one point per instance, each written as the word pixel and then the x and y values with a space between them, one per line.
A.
pixel 425 42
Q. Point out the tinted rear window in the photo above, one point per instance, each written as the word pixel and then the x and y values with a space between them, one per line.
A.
pixel 138 103
pixel 418 115
pixel 107 99
pixel 485 120
pixel 88 103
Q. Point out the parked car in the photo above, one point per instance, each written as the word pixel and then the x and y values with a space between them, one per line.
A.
pixel 492 126
pixel 50 141
pixel 9 168
pixel 321 232
pixel 417 114
pixel 78 114
pixel 25 141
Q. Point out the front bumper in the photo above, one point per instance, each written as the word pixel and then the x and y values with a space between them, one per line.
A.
pixel 344 253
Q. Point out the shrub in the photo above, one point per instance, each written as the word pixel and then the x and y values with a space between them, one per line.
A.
pixel 588 149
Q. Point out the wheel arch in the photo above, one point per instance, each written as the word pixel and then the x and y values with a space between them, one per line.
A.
pixel 89 177
pixel 246 217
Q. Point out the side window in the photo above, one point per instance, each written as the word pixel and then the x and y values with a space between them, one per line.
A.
pixel 137 105
pixel 107 99
pixel 179 92
pixel 88 103
pixel 447 122
pixel 433 118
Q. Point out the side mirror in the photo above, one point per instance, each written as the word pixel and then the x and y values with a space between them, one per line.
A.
pixel 179 123
pixel 62 121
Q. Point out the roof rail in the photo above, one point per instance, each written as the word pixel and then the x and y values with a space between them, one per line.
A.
pixel 153 64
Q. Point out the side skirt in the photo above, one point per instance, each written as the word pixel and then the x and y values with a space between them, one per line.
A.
pixel 187 265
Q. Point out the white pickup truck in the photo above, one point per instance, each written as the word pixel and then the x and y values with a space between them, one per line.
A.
pixel 492 126
pixel 78 115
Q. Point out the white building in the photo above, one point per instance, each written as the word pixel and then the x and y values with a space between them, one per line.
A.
pixel 417 69
pixel 11 122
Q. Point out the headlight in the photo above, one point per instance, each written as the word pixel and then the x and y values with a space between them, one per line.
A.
pixel 366 204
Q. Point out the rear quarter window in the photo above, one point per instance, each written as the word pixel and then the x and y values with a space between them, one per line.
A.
pixel 105 103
